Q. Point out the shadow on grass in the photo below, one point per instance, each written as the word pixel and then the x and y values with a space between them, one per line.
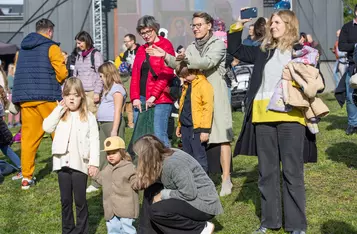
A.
pixel 337 227
pixel 336 122
pixel 249 191
pixel 44 171
pixel 344 152
pixel 95 210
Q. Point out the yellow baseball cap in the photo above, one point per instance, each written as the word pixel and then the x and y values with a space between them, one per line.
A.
pixel 113 143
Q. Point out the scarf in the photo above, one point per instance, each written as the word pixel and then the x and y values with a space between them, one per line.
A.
pixel 86 52
pixel 200 43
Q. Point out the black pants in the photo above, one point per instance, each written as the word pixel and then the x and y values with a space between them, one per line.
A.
pixel 192 145
pixel 170 216
pixel 72 182
pixel 281 142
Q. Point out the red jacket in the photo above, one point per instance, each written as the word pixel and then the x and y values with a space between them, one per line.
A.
pixel 154 87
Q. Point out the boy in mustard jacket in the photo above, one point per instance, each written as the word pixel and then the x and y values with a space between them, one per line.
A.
pixel 195 113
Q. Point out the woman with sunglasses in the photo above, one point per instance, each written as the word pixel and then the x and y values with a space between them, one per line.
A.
pixel 151 78
pixel 208 54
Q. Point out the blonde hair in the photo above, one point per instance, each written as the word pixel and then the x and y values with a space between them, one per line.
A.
pixel 111 76
pixel 151 153
pixel 291 35
pixel 77 85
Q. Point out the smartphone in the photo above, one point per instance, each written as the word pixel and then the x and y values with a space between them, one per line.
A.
pixel 249 13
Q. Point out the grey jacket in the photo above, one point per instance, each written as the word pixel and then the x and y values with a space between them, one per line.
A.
pixel 183 178
pixel 212 64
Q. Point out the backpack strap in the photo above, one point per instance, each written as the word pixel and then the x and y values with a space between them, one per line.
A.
pixel 153 73
pixel 92 59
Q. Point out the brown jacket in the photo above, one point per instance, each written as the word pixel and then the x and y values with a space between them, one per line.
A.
pixel 119 199
pixel 302 82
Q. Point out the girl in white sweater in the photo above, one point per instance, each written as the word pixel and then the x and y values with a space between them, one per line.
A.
pixel 75 151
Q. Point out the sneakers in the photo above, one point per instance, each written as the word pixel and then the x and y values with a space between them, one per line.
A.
pixel 226 188
pixel 260 230
pixel 91 189
pixel 17 176
pixel 209 228
pixel 27 183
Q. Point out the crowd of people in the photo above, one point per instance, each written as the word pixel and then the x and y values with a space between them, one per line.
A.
pixel 81 101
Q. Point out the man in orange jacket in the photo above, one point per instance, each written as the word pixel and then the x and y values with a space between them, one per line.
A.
pixel 39 74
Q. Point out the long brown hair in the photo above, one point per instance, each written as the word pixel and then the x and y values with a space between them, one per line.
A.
pixel 151 153
pixel 291 35
pixel 77 85
pixel 3 98
pixel 111 76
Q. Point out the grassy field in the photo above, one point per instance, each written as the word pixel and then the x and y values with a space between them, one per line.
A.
pixel 330 188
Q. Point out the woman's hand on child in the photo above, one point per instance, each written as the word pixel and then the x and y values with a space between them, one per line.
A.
pixel 178 132
pixel 157 198
pixel 92 171
pixel 204 137
pixel 155 51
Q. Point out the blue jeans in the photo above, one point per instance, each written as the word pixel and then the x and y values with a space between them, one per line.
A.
pixel 7 151
pixel 336 73
pixel 120 225
pixel 351 107
pixel 161 120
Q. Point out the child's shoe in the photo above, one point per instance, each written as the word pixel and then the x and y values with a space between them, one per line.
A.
pixel 27 183
pixel 91 189
pixel 17 176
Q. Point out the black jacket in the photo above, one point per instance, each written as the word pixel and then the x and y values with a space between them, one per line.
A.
pixel 246 144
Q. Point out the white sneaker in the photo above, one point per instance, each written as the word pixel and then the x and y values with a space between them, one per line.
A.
pixel 91 189
pixel 209 228
pixel 226 188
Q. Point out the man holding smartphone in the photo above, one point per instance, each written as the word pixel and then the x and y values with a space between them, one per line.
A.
pixel 347 43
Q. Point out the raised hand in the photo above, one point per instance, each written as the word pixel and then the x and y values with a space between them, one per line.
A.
pixel 155 51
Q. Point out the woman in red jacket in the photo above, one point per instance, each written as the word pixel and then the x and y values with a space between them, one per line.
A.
pixel 151 78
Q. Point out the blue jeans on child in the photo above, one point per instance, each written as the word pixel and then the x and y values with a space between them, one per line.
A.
pixel 120 226
pixel 7 151
pixel 191 144
pixel 161 120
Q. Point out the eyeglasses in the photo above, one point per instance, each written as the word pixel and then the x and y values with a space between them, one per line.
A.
pixel 146 33
pixel 198 26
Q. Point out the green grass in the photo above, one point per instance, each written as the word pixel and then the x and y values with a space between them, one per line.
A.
pixel 330 189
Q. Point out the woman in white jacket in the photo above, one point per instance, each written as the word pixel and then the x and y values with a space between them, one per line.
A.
pixel 75 151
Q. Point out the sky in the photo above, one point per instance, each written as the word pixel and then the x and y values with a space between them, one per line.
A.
pixel 12 2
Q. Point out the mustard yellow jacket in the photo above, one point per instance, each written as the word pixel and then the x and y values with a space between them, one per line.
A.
pixel 201 103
